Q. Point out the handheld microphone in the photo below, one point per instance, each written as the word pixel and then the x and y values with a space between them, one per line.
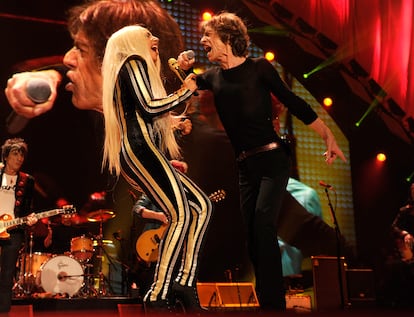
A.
pixel 190 54
pixel 172 62
pixel 175 67
pixel 323 184
pixel 38 90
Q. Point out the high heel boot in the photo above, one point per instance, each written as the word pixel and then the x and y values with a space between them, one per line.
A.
pixel 189 298
pixel 156 307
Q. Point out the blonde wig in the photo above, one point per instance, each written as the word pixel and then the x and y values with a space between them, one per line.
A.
pixel 129 41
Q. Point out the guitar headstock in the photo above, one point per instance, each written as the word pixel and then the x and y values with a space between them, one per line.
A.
pixel 68 210
pixel 217 196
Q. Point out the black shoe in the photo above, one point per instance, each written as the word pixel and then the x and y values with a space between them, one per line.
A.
pixel 157 307
pixel 188 297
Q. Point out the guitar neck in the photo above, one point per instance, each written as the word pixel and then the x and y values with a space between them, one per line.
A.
pixel 40 215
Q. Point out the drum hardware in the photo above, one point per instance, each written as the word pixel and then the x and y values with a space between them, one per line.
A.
pixel 101 216
pixel 29 264
pixel 26 281
pixel 88 289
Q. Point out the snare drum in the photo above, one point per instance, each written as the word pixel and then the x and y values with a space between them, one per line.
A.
pixel 81 248
pixel 61 274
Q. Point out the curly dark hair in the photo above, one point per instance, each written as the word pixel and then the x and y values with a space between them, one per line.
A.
pixel 99 19
pixel 231 29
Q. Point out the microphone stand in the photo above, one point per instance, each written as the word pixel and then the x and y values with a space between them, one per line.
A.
pixel 338 248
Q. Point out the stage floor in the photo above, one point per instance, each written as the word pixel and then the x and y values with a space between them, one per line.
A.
pixel 127 307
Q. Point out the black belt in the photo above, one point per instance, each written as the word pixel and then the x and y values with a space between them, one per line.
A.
pixel 264 148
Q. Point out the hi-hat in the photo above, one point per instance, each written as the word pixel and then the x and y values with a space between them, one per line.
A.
pixel 100 215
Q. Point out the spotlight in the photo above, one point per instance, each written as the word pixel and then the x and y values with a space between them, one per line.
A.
pixel 357 69
pixel 410 178
pixel 327 101
pixel 305 27
pixel 381 157
pixel 206 15
pixel 270 56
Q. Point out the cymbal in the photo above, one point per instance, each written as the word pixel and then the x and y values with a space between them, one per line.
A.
pixel 100 215
pixel 77 219
pixel 104 242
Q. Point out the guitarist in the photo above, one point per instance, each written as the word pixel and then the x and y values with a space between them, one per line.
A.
pixel 16 193
pixel 154 218
pixel 399 265
pixel 146 211
pixel 403 228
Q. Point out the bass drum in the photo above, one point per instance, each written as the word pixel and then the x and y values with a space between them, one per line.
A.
pixel 61 274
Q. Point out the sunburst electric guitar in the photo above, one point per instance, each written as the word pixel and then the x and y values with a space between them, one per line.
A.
pixel 7 221
pixel 148 242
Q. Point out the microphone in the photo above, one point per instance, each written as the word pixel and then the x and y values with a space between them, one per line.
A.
pixel 172 62
pixel 38 90
pixel 62 276
pixel 323 184
pixel 175 67
pixel 190 54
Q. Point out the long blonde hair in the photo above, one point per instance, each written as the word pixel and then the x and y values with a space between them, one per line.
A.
pixel 129 41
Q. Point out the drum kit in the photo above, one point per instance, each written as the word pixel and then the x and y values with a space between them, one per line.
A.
pixel 70 274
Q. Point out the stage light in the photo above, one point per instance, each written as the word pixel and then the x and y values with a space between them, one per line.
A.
pixel 410 178
pixel 206 15
pixel 381 157
pixel 371 107
pixel 327 102
pixel 270 56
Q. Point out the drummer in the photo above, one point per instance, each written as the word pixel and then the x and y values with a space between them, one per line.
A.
pixel 54 235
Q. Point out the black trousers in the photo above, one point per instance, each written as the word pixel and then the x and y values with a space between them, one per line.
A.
pixel 263 178
pixel 8 259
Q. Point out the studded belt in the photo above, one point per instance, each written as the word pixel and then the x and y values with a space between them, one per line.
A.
pixel 264 148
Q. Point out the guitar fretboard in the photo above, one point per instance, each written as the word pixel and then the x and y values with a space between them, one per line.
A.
pixel 40 215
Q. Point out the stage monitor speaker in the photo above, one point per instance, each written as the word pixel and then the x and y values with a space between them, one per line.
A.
pixel 327 278
pixel 227 295
pixel 361 287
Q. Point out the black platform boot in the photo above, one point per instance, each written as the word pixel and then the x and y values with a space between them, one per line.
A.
pixel 160 306
pixel 188 297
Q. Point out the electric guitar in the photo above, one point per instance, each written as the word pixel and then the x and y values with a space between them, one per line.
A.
pixel 405 250
pixel 148 242
pixel 7 222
